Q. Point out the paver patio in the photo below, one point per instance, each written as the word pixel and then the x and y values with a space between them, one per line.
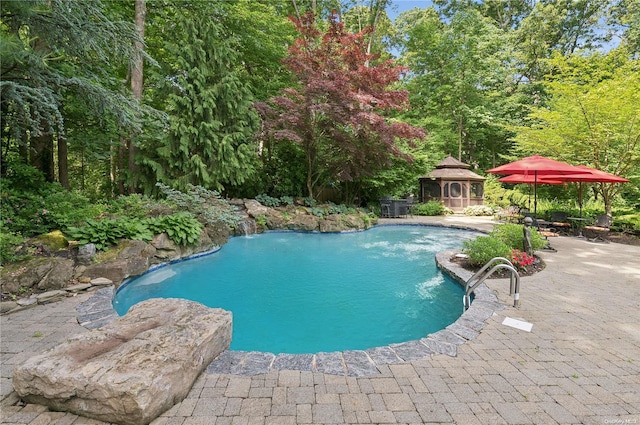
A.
pixel 580 364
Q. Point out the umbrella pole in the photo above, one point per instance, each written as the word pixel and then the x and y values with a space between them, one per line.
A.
pixel 580 197
pixel 535 194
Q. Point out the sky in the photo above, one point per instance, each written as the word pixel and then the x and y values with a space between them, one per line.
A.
pixel 399 6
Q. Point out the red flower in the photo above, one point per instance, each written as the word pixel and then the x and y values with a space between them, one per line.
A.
pixel 521 259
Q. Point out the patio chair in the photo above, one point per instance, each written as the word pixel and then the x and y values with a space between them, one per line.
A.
pixel 599 231
pixel 511 215
pixel 410 205
pixel 560 222
pixel 385 207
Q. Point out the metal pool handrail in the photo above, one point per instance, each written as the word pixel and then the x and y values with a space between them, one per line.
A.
pixel 482 274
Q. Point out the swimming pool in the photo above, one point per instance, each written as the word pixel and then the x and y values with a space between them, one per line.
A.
pixel 311 292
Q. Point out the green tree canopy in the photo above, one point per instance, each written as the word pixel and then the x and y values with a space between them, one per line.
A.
pixel 459 81
pixel 592 117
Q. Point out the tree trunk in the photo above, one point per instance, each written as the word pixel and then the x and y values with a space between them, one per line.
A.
pixel 82 158
pixel 460 136
pixel 136 84
pixel 63 162
pixel 23 148
pixel 310 176
pixel 121 167
pixel 137 71
pixel 376 9
pixel 608 193
pixel 113 168
pixel 41 153
pixel 295 8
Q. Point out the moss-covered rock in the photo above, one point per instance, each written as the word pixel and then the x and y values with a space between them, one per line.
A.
pixel 55 240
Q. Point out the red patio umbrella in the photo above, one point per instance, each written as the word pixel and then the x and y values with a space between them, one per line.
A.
pixel 592 175
pixel 589 175
pixel 530 180
pixel 536 166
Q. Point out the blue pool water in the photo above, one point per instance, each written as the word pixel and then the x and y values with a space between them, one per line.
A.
pixel 310 292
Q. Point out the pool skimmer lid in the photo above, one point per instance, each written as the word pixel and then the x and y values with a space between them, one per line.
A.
pixel 518 324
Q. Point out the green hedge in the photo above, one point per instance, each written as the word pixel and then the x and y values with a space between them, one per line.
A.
pixel 431 208
pixel 500 243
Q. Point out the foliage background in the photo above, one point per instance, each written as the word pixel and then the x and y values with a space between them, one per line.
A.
pixel 486 81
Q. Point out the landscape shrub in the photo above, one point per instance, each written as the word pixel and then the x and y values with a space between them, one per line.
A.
pixel 206 205
pixel 139 206
pixel 107 232
pixel 431 208
pixel 494 192
pixel 512 235
pixel 368 218
pixel 309 202
pixel 483 248
pixel 182 228
pixel 629 223
pixel 478 210
pixel 10 251
pixel 29 206
pixel 268 201
pixel 317 211
pixel 521 260
pixel 340 209
pixel 261 221
pixel 25 213
pixel 70 208
pixel 506 240
pixel 286 200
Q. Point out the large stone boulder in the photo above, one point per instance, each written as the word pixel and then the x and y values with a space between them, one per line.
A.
pixel 166 249
pixel 255 208
pixel 59 276
pixel 342 223
pixel 305 223
pixel 42 273
pixel 276 219
pixel 131 370
pixel 86 254
pixel 133 258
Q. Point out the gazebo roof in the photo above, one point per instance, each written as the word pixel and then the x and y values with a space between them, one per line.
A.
pixel 451 162
pixel 452 169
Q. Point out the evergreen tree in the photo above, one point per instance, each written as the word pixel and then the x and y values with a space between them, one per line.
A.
pixel 209 142
pixel 55 53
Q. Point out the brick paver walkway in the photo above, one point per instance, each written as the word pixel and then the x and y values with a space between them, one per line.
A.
pixel 580 364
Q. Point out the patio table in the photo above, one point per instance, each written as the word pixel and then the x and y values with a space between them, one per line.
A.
pixel 398 208
pixel 579 223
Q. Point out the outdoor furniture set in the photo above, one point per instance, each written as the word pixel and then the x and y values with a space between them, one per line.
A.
pixel 560 224
pixel 396 208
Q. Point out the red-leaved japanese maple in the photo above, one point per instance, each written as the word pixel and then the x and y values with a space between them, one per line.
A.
pixel 334 112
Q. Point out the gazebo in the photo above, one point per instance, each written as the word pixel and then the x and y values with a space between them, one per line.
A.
pixel 454 184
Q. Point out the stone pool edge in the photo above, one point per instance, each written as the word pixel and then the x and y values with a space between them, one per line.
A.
pixel 98 310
